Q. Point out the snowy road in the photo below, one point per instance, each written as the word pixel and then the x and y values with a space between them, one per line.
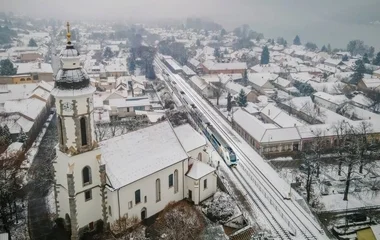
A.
pixel 256 177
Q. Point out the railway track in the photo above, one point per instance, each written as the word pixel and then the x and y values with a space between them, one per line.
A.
pixel 276 198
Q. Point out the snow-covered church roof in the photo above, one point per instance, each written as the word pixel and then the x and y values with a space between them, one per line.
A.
pixel 138 154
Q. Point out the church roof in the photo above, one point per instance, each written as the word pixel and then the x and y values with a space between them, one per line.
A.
pixel 138 154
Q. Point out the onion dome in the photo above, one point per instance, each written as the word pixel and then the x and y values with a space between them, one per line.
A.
pixel 71 76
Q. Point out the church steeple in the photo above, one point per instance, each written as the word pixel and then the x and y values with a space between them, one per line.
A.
pixel 68 35
pixel 74 102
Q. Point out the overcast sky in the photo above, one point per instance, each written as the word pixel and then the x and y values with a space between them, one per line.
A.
pixel 267 16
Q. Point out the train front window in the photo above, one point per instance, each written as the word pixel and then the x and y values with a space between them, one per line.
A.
pixel 232 158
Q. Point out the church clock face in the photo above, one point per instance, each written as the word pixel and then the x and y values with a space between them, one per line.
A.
pixel 67 107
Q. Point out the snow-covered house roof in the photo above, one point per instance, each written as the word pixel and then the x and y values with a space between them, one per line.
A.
pixel 235 88
pixel 157 148
pixel 327 68
pixel 29 108
pixel 210 65
pixel 336 99
pixel 260 79
pixel 371 83
pixel 15 122
pixel 280 117
pixel 333 61
pixel 267 68
pixel 282 82
pixel 194 62
pixel 199 170
pixel 23 68
pixel 188 71
pixel 16 91
pixel 303 77
pixel 199 82
pixel 124 103
pixel 328 87
pixel 189 138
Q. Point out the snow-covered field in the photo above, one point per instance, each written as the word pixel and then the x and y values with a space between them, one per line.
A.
pixel 332 186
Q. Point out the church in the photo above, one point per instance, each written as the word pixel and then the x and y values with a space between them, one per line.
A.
pixel 135 174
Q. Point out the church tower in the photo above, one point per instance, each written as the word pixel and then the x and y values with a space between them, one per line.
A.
pixel 74 102
pixel 80 193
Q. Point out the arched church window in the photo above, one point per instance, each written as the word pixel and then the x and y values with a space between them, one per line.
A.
pixel 176 181
pixel 200 156
pixel 83 131
pixel 61 130
pixel 158 190
pixel 86 175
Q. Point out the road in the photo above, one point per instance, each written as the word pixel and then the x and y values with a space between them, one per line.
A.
pixel 256 177
pixel 41 177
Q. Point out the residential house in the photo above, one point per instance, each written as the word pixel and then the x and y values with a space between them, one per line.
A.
pixel 282 83
pixel 210 67
pixel 377 73
pixel 235 88
pixel 332 102
pixel 369 84
pixel 267 68
pixel 39 71
pixel 195 65
pixel 262 81
pixel 201 86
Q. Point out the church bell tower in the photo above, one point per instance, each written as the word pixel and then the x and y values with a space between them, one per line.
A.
pixel 74 102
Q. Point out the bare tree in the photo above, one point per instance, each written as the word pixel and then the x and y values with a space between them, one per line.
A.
pixel 354 149
pixel 218 88
pixel 100 131
pixel 11 190
pixel 178 221
pixel 128 228
pixel 314 113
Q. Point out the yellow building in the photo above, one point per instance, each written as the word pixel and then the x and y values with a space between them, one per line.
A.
pixel 21 79
pixel 371 233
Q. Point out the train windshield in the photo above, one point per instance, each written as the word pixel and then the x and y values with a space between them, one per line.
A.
pixel 232 154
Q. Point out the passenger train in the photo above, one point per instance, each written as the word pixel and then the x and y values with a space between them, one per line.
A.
pixel 216 140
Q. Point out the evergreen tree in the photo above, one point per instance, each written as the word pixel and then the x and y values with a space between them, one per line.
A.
pixel 22 137
pixel 365 58
pixel 297 40
pixel 242 99
pixel 131 65
pixel 265 56
pixel 7 135
pixel 198 43
pixel 32 43
pixel 245 77
pixel 345 58
pixel 311 46
pixel 272 42
pixel 1 136
pixel 225 51
pixel 229 102
pixel 217 53
pixel 107 53
pixel 150 74
pixel 359 72
pixel 329 48
pixel 376 60
pixel 324 49
pixel 371 52
pixel 285 43
pixel 223 32
pixel 7 68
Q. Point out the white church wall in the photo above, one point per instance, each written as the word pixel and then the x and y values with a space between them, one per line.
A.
pixel 88 211
pixel 147 188
pixel 189 185
pixel 60 167
pixel 207 192
pixel 195 154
